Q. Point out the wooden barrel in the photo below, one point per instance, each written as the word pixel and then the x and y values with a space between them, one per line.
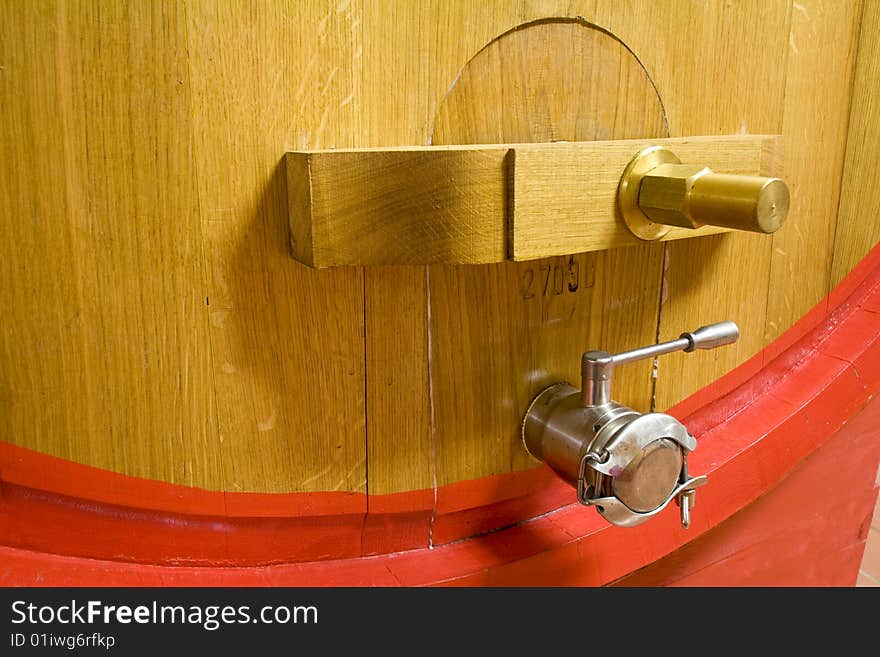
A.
pixel 186 394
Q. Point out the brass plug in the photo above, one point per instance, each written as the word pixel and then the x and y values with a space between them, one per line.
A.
pixel 658 191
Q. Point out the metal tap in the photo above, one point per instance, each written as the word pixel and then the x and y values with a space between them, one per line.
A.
pixel 627 464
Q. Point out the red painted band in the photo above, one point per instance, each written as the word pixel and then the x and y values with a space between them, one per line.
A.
pixel 766 416
pixel 794 535
pixel 30 469
pixel 810 530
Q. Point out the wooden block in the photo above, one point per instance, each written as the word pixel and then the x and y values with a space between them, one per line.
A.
pixel 481 204
pixel 565 195
pixel 401 206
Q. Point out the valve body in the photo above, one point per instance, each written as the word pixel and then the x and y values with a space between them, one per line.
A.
pixel 627 464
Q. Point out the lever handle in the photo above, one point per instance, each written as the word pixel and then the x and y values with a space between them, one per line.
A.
pixel 712 336
pixel 657 191
pixel 597 367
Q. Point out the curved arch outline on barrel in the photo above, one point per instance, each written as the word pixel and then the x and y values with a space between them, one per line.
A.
pixel 578 20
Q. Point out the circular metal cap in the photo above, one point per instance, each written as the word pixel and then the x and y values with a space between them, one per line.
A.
pixel 772 206
pixel 650 477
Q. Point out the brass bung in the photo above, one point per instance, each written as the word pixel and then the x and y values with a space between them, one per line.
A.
pixel 657 191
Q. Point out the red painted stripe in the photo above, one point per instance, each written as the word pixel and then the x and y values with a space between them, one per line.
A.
pixel 761 422
pixel 47 522
pixel 467 508
pixel 30 469
pixel 798 534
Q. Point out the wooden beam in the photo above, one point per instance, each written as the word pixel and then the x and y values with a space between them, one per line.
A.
pixel 398 206
pixel 482 204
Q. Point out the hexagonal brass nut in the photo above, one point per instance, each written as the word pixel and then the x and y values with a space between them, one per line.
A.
pixel 665 193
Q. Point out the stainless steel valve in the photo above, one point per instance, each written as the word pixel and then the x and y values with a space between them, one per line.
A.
pixel 627 464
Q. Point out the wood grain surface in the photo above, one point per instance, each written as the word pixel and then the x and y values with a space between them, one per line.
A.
pixel 106 354
pixel 722 276
pixel 287 341
pixel 858 225
pixel 815 139
pixel 152 322
pixel 501 333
